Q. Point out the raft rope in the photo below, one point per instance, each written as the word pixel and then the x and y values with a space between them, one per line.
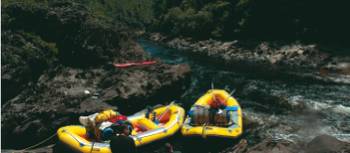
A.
pixel 92 146
pixel 35 145
pixel 204 130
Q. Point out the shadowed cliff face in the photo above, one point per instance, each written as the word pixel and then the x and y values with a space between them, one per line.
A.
pixel 57 65
pixel 24 58
pixel 75 31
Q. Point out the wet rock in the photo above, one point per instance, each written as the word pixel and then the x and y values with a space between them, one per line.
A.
pixel 24 58
pixel 320 144
pixel 156 37
pixel 337 66
pixel 282 60
pixel 265 146
pixel 241 147
pixel 138 86
pixel 270 146
pixel 327 144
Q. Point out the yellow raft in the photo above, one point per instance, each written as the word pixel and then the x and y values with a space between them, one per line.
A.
pixel 234 114
pixel 172 117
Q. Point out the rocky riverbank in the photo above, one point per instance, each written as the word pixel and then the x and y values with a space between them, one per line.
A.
pixel 276 111
pixel 320 144
pixel 57 64
pixel 309 62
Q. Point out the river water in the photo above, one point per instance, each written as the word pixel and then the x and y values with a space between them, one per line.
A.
pixel 278 108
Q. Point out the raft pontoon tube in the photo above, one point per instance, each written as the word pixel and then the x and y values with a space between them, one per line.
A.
pixel 234 113
pixel 168 121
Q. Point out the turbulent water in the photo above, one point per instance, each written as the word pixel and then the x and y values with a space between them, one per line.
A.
pixel 278 108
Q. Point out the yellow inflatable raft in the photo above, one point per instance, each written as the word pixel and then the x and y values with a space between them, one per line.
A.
pixel 226 121
pixel 170 119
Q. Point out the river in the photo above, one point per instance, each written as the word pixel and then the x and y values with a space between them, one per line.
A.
pixel 278 108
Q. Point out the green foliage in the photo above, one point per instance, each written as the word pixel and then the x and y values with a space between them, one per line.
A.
pixel 212 20
pixel 134 13
pixel 5 3
pixel 224 19
pixel 28 49
pixel 76 31
pixel 254 19
pixel 188 22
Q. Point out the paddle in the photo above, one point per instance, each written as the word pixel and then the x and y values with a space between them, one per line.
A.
pixel 230 95
pixel 128 64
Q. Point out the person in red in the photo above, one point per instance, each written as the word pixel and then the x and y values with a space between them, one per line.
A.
pixel 217 102
pixel 99 124
pixel 119 120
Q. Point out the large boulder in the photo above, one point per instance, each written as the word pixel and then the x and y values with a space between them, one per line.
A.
pixel 327 144
pixel 320 144
pixel 24 58
pixel 137 86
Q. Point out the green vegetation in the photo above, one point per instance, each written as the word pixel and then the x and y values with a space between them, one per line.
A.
pixel 252 19
pixel 211 20
pixel 30 50
pixel 225 19
pixel 231 19
pixel 77 32
pixel 135 13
